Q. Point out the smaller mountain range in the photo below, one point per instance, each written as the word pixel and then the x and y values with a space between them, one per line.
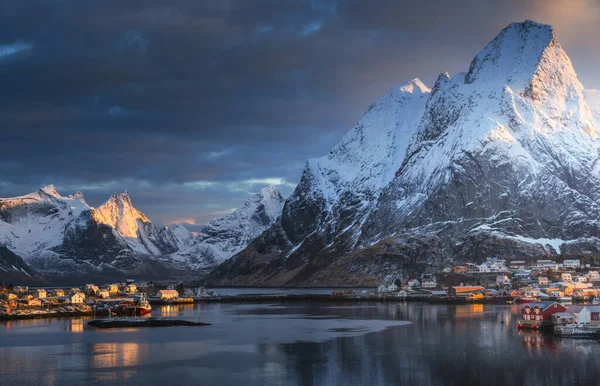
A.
pixel 65 239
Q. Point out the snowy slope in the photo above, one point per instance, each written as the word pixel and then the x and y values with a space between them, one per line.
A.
pixel 62 236
pixel 36 221
pixel 502 160
pixel 516 123
pixel 130 225
pixel 224 237
pixel 338 191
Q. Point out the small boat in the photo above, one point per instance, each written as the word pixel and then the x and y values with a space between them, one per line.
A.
pixel 139 306
pixel 143 305
pixel 525 299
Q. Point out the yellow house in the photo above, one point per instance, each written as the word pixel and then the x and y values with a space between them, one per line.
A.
pixel 167 294
pixel 76 298
pixel 33 302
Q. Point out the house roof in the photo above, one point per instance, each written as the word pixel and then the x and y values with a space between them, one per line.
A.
pixel 171 292
pixel 541 305
pixel 565 314
pixel 575 309
pixel 469 288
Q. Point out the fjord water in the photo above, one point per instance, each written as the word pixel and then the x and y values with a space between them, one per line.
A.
pixel 299 344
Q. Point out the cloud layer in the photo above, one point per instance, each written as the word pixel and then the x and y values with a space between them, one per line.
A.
pixel 192 106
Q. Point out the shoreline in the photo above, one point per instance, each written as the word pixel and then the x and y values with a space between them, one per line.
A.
pixel 257 299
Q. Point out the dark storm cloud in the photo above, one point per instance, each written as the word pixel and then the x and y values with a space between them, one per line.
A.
pixel 192 105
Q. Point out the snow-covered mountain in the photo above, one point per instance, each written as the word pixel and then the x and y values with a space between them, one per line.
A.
pixel 224 237
pixel 500 160
pixel 65 237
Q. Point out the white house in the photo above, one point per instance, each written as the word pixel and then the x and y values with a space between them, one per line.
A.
pixel 167 294
pixel 103 294
pixel 392 288
pixel 571 263
pixel 413 283
pixel 76 298
pixel 493 264
pixel 542 280
pixel 582 279
pixel 429 283
pixel 566 276
pixel 593 276
pixel 188 293
pixel 131 288
pixel 582 313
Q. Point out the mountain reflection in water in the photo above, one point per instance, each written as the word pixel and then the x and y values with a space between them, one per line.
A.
pixel 300 343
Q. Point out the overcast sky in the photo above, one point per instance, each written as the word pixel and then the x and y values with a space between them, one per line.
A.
pixel 194 105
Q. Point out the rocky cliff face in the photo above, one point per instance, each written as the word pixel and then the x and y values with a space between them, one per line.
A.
pixel 500 160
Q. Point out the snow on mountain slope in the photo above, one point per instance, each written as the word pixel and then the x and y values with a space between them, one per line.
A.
pixel 37 220
pixel 592 97
pixel 60 236
pixel 520 107
pixel 130 224
pixel 177 236
pixel 64 236
pixel 501 160
pixel 224 237
pixel 338 191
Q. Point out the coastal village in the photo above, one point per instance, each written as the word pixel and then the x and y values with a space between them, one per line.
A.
pixel 127 299
pixel 562 295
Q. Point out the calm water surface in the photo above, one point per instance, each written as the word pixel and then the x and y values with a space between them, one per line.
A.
pixel 299 344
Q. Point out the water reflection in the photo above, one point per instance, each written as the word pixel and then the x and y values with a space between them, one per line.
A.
pixel 119 359
pixel 284 344
pixel 173 310
pixel 76 324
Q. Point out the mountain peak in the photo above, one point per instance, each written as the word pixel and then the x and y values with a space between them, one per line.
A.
pixel 414 85
pixel 514 55
pixel 118 212
pixel 270 192
pixel 50 190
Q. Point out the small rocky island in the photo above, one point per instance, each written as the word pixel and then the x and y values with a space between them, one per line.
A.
pixel 142 322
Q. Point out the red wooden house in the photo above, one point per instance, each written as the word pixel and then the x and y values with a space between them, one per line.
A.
pixel 535 315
